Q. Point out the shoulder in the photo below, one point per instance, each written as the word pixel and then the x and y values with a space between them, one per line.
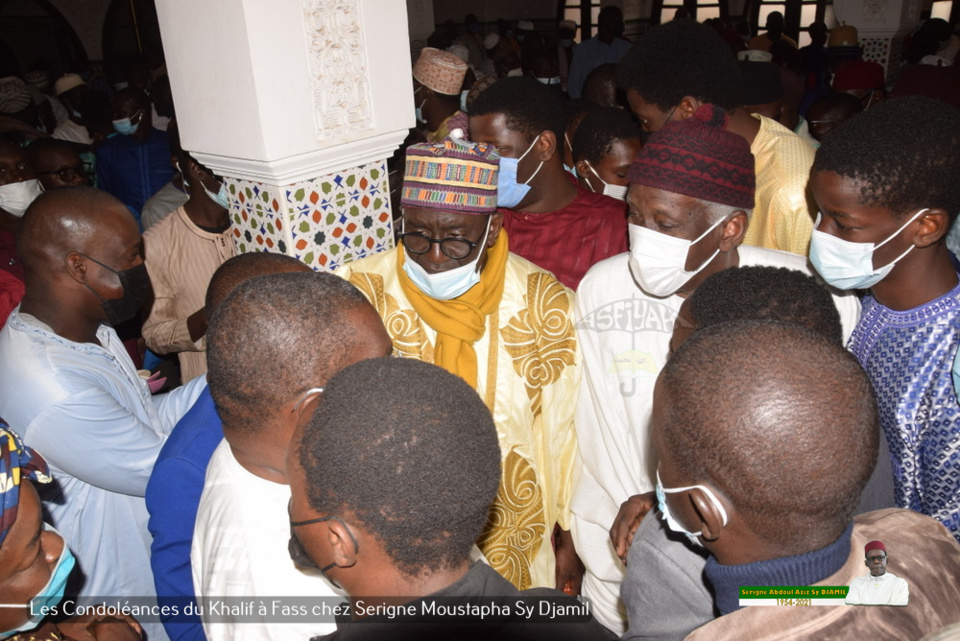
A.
pixel 598 204
pixel 609 274
pixel 761 256
pixel 779 144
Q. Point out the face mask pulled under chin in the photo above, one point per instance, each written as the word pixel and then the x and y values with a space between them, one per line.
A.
pixel 618 192
pixel 657 261
pixel 52 592
pixel 450 284
pixel 847 265
pixel 16 197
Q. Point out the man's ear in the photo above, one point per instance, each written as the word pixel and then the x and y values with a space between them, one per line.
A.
pixel 547 145
pixel 711 519
pixel 583 169
pixel 343 549
pixel 732 231
pixel 76 266
pixel 688 106
pixel 496 224
pixel 934 225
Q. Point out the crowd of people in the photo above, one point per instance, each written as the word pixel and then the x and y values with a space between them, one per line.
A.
pixel 667 318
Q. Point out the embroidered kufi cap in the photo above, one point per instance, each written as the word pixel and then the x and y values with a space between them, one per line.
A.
pixel 14 95
pixel 441 71
pixel 452 175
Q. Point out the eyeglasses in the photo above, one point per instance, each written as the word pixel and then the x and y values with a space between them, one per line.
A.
pixel 297 552
pixel 419 243
pixel 871 559
pixel 67 174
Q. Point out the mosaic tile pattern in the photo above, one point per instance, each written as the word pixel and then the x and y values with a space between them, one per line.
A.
pixel 876 50
pixel 325 222
pixel 257 221
pixel 340 218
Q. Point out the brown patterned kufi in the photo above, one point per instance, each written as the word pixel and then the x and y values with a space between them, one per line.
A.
pixel 698 157
pixel 441 71
pixel 451 175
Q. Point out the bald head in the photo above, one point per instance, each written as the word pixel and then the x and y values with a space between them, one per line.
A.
pixel 276 336
pixel 789 436
pixel 242 268
pixel 71 219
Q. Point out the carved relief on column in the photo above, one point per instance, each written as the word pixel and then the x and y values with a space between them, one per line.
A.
pixel 338 68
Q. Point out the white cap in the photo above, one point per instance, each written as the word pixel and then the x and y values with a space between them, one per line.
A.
pixel 491 41
pixel 525 25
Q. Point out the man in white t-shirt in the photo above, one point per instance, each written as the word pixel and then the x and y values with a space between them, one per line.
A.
pixel 691 194
pixel 879 587
pixel 272 345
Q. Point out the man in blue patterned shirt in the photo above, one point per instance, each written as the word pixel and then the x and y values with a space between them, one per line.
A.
pixel 886 184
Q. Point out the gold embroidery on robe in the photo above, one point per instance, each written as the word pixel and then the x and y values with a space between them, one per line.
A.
pixel 403 325
pixel 515 525
pixel 540 338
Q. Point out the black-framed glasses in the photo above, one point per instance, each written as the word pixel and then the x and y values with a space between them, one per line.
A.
pixel 419 243
pixel 67 174
pixel 297 552
pixel 874 559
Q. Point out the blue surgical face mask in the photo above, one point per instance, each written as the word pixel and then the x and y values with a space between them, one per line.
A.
pixel 549 81
pixel 52 592
pixel 509 192
pixel 463 100
pixel 419 110
pixel 125 126
pixel 847 265
pixel 220 197
pixel 451 283
pixel 672 522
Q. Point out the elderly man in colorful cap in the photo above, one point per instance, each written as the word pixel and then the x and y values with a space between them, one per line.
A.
pixel 879 587
pixel 437 82
pixel 454 295
pixel 690 199
pixel 35 563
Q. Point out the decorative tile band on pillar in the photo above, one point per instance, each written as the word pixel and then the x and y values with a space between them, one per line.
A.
pixel 325 221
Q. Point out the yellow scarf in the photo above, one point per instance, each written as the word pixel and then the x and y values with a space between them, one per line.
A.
pixel 460 322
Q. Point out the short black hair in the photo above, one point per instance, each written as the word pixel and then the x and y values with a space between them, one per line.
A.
pixel 243 267
pixel 598 131
pixel 904 153
pixel 46 145
pixel 780 420
pixel 681 58
pixel 761 292
pixel 530 107
pixel 276 335
pixel 418 468
pixel 576 110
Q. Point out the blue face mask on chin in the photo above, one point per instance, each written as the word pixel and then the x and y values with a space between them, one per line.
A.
pixel 510 193
pixel 125 126
pixel 220 197
pixel 52 592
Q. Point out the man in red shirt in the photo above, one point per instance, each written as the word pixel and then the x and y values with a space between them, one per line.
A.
pixel 552 222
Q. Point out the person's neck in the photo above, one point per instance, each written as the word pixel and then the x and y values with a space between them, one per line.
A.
pixel 552 189
pixel 397 588
pixel 263 457
pixel 9 222
pixel 921 276
pixel 204 212
pixel 742 123
pixel 142 134
pixel 61 317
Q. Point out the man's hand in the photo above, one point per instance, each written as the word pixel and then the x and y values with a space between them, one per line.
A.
pixel 101 627
pixel 569 566
pixel 628 520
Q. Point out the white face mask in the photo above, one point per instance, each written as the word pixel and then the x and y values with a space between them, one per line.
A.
pixel 672 522
pixel 614 191
pixel 847 265
pixel 451 283
pixel 657 260
pixel 16 197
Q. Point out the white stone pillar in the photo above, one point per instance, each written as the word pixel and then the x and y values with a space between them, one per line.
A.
pixel 881 27
pixel 298 104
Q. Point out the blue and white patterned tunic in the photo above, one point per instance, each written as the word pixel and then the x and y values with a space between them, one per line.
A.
pixel 909 356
